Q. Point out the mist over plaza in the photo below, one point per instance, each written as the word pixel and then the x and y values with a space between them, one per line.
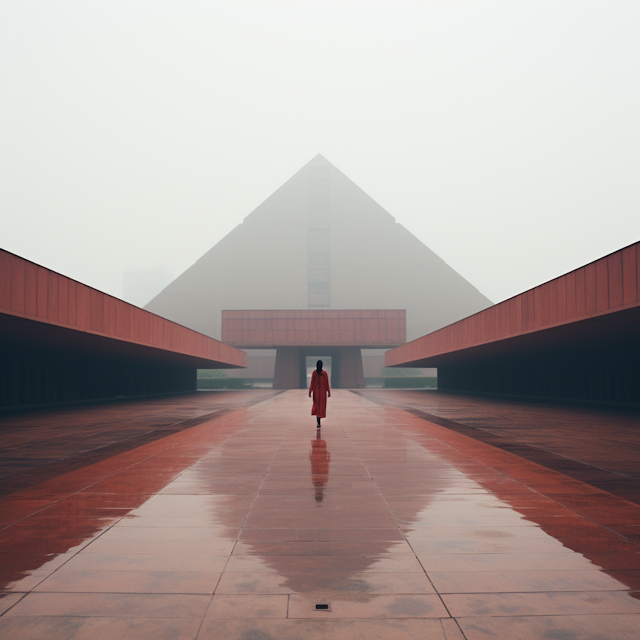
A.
pixel 319 320
pixel 136 135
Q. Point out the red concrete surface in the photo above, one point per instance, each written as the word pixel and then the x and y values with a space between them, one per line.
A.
pixel 38 446
pixel 218 532
pixel 575 305
pixel 39 304
pixel 596 445
pixel 270 329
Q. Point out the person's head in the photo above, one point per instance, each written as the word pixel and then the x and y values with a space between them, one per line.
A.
pixel 319 366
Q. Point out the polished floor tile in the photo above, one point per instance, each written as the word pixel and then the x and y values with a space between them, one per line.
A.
pixel 244 607
pixel 322 630
pixel 367 606
pixel 131 582
pixel 580 627
pixel 550 603
pixel 522 581
pixel 130 605
pixel 123 628
pixel 238 526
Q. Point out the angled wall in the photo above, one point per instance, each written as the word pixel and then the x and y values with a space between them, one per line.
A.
pixel 62 341
pixel 575 337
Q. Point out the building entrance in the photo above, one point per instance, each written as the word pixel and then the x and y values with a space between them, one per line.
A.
pixel 302 337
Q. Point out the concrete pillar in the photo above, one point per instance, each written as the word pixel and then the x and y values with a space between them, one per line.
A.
pixel 351 371
pixel 287 371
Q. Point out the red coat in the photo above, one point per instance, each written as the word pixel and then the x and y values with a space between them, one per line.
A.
pixel 320 389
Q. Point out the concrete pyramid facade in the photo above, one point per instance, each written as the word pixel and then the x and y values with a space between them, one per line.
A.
pixel 319 242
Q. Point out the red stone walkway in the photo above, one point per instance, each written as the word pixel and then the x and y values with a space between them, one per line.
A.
pixel 39 445
pixel 597 445
pixel 238 527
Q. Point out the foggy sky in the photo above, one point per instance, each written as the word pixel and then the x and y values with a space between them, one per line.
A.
pixel 504 135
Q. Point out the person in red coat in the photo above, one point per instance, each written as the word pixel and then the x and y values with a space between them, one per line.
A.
pixel 320 388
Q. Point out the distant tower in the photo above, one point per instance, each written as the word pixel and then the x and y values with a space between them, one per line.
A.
pixel 319 242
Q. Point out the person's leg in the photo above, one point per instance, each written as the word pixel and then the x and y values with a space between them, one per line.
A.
pixel 318 419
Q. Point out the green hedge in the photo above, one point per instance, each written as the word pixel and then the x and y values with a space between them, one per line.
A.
pixel 415 382
pixel 224 383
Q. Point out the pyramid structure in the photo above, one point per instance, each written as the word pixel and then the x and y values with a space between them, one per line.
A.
pixel 319 242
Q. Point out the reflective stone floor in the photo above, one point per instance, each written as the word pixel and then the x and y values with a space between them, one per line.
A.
pixel 240 526
pixel 600 446
pixel 39 445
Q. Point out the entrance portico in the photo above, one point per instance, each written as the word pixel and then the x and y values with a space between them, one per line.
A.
pixel 296 335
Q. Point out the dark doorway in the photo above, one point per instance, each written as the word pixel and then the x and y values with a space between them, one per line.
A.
pixel 331 362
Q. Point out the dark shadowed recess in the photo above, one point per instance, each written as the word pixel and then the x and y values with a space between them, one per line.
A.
pixel 617 484
pixel 41 445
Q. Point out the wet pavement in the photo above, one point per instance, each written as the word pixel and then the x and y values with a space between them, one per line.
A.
pixel 38 445
pixel 242 525
pixel 597 445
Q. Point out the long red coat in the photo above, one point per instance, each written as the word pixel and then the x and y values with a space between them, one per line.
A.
pixel 320 388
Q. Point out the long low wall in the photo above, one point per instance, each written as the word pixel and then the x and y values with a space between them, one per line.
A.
pixel 62 341
pixel 575 337
pixel 605 286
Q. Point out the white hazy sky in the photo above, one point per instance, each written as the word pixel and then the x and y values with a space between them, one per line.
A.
pixel 504 135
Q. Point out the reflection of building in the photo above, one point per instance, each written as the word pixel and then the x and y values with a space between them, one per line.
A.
pixel 319 243
pixel 320 459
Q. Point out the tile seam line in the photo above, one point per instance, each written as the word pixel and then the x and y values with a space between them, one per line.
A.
pixel 113 524
pixel 457 625
pixel 427 417
pixel 80 615
pixel 245 519
pixel 549 615
pixel 549 497
pixel 431 417
pixel 30 591
pixel 200 420
pixel 402 435
pixel 410 437
pixel 24 595
pixel 420 413
pixel 223 420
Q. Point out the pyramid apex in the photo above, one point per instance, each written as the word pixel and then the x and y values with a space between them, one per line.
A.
pixel 319 161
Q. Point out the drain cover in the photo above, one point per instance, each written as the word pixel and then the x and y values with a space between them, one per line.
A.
pixel 323 607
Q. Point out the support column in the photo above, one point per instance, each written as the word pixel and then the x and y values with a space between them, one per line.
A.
pixel 351 370
pixel 287 371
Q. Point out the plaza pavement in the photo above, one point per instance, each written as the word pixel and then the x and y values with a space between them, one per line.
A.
pixel 238 524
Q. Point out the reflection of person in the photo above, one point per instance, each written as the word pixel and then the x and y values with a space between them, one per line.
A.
pixel 320 388
pixel 320 459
